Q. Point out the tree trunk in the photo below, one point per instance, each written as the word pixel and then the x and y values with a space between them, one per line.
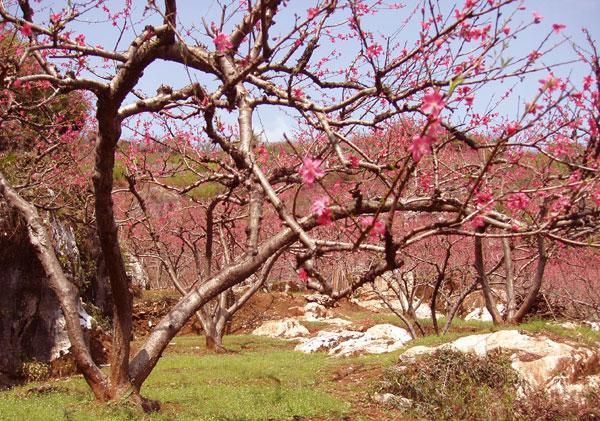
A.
pixel 537 282
pixel 510 290
pixel 490 302
pixel 109 132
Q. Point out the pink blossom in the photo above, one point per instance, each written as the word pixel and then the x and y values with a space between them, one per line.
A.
pixel 303 275
pixel 596 197
pixel 374 50
pixel 26 29
pixel 321 208
pixel 222 42
pixel 511 129
pixel 420 146
pixel 313 12
pixel 354 161
pixel 469 100
pixel 17 83
pixel 478 221
pixel 298 93
pixel 378 226
pixel 557 27
pixel 433 103
pixel 55 18
pixel 517 201
pixel 550 83
pixel 310 170
pixel 506 30
pixel 484 198
pixel 537 17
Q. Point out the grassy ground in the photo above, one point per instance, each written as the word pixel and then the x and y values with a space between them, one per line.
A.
pixel 259 379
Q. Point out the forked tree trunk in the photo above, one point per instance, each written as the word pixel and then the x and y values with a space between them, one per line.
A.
pixel 537 282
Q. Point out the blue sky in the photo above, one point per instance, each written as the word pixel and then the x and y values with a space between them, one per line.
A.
pixel 573 13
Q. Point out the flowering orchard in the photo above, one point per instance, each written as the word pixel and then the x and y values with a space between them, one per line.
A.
pixel 395 143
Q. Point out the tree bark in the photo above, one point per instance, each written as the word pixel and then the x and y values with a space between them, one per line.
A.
pixel 490 302
pixel 510 291
pixel 109 132
pixel 537 282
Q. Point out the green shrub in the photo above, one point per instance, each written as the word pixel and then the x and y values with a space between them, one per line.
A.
pixel 34 371
pixel 452 385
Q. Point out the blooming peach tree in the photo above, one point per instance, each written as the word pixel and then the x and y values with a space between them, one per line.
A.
pixel 391 142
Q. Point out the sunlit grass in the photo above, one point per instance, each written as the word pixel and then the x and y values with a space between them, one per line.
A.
pixel 260 379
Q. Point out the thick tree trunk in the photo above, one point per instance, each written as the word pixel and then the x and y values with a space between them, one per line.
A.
pixel 214 340
pixel 109 131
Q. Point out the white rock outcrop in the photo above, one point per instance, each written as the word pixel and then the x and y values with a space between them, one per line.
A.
pixel 378 339
pixel 315 312
pixel 285 328
pixel 540 361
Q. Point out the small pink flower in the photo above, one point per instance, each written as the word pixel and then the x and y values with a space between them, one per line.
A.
pixel 55 18
pixel 17 83
pixel 298 93
pixel 550 83
pixel 506 30
pixel 557 27
pixel 26 29
pixel 354 161
pixel 469 100
pixel 222 42
pixel 378 226
pixel 303 275
pixel 537 17
pixel 313 12
pixel 310 170
pixel 511 129
pixel 374 50
pixel 478 221
pixel 321 208
pixel 420 146
pixel 517 201
pixel 433 103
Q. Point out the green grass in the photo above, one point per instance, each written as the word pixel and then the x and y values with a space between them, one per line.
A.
pixel 260 379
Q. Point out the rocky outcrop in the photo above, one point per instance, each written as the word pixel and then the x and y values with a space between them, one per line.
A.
pixel 32 326
pixel 316 312
pixel 556 367
pixel 286 328
pixel 378 339
pixel 136 272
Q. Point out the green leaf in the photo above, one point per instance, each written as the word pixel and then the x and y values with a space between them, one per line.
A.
pixel 455 83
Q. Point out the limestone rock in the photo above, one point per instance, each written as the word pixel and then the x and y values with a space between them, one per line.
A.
pixel 325 340
pixel 377 340
pixel 285 328
pixel 318 298
pixel 540 361
pixel 316 312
